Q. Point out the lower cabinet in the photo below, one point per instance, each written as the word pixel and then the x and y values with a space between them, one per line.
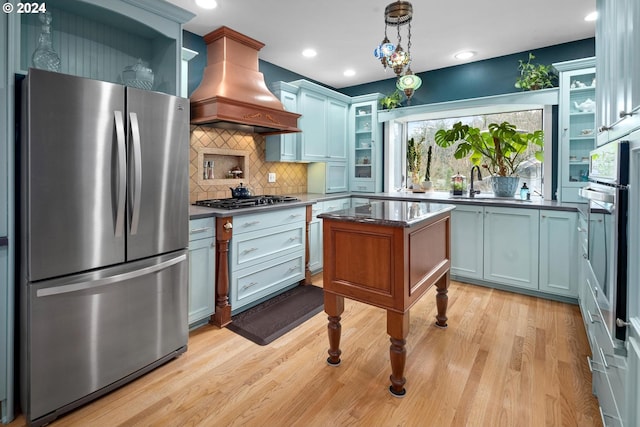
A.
pixel 467 239
pixel 633 383
pixel 266 255
pixel 202 251
pixel 315 229
pixel 511 246
pixel 558 247
pixel 519 247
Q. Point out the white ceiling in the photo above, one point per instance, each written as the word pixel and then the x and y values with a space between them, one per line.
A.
pixel 345 32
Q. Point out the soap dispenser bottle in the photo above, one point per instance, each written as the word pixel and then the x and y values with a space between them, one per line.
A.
pixel 524 192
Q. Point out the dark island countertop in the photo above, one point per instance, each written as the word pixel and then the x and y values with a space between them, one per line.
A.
pixel 393 213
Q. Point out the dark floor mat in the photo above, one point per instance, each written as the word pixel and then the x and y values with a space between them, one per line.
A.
pixel 275 317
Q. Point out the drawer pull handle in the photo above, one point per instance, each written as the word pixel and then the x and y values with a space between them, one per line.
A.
pixel 296 268
pixel 249 285
pixel 604 359
pixel 199 230
pixel 249 224
pixel 293 239
pixel 294 215
pixel 591 317
pixel 591 364
pixel 249 250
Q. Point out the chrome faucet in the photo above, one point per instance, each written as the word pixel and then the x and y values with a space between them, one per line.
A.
pixel 473 192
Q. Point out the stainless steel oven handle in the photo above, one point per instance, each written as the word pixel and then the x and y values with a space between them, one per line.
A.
pixel 81 286
pixel 591 194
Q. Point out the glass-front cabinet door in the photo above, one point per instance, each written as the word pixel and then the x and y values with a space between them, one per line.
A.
pixel 577 123
pixel 366 145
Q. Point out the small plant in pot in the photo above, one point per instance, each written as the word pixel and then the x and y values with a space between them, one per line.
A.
pixel 392 101
pixel 500 150
pixel 534 76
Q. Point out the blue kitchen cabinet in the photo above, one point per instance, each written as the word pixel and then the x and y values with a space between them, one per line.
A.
pixel 365 142
pixel 633 391
pixel 576 126
pixel 202 274
pixel 327 177
pixel 323 123
pixel 337 112
pixel 618 68
pixel 315 239
pixel 511 246
pixel 99 38
pixel 267 255
pixel 315 229
pixel 558 271
pixel 467 240
pixel 284 147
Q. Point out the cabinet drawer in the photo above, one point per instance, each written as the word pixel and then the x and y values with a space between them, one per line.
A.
pixel 262 220
pixel 264 245
pixel 365 187
pixel 336 205
pixel 264 279
pixel 202 228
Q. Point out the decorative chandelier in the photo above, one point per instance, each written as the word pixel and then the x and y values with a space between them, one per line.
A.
pixel 398 14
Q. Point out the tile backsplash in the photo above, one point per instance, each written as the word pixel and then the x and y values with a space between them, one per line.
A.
pixel 290 177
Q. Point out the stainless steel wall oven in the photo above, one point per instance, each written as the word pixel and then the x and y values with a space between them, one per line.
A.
pixel 608 197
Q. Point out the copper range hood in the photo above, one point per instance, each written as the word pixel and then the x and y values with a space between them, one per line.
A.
pixel 232 93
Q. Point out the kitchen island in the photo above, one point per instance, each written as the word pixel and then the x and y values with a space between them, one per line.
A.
pixel 386 254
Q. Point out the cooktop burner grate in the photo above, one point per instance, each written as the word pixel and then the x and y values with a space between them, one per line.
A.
pixel 245 202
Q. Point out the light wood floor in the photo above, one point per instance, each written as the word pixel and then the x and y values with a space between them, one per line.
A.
pixel 504 360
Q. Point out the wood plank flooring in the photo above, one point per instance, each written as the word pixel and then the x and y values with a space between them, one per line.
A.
pixel 505 360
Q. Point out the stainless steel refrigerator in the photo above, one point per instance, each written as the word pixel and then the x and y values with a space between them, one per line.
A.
pixel 104 231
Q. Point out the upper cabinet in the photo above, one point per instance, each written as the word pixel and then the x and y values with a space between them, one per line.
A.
pixel 284 147
pixel 618 68
pixel 577 125
pixel 366 145
pixel 98 39
pixel 323 123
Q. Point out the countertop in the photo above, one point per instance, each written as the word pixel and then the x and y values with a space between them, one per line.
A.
pixel 488 199
pixel 392 213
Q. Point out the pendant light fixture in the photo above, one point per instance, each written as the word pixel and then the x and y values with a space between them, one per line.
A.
pixel 398 14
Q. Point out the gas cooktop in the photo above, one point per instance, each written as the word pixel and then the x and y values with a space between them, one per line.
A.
pixel 245 202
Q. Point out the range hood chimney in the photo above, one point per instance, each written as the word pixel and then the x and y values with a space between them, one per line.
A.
pixel 232 93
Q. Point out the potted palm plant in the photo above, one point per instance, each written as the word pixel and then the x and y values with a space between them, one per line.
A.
pixel 500 150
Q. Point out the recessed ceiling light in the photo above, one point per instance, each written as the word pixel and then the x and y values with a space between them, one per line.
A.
pixel 207 4
pixel 309 53
pixel 591 17
pixel 349 73
pixel 464 54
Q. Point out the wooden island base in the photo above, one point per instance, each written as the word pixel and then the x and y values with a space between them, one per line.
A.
pixel 388 266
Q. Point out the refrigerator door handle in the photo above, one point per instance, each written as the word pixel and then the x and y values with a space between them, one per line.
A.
pixel 91 284
pixel 137 172
pixel 122 172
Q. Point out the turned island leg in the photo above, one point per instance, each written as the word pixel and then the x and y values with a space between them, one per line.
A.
pixel 442 300
pixel 334 306
pixel 398 329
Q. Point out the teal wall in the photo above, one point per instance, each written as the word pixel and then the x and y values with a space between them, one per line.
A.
pixel 472 80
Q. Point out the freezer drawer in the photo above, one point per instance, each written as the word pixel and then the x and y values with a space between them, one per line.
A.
pixel 89 331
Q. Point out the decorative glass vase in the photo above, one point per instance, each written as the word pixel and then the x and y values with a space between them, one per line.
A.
pixel 44 57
